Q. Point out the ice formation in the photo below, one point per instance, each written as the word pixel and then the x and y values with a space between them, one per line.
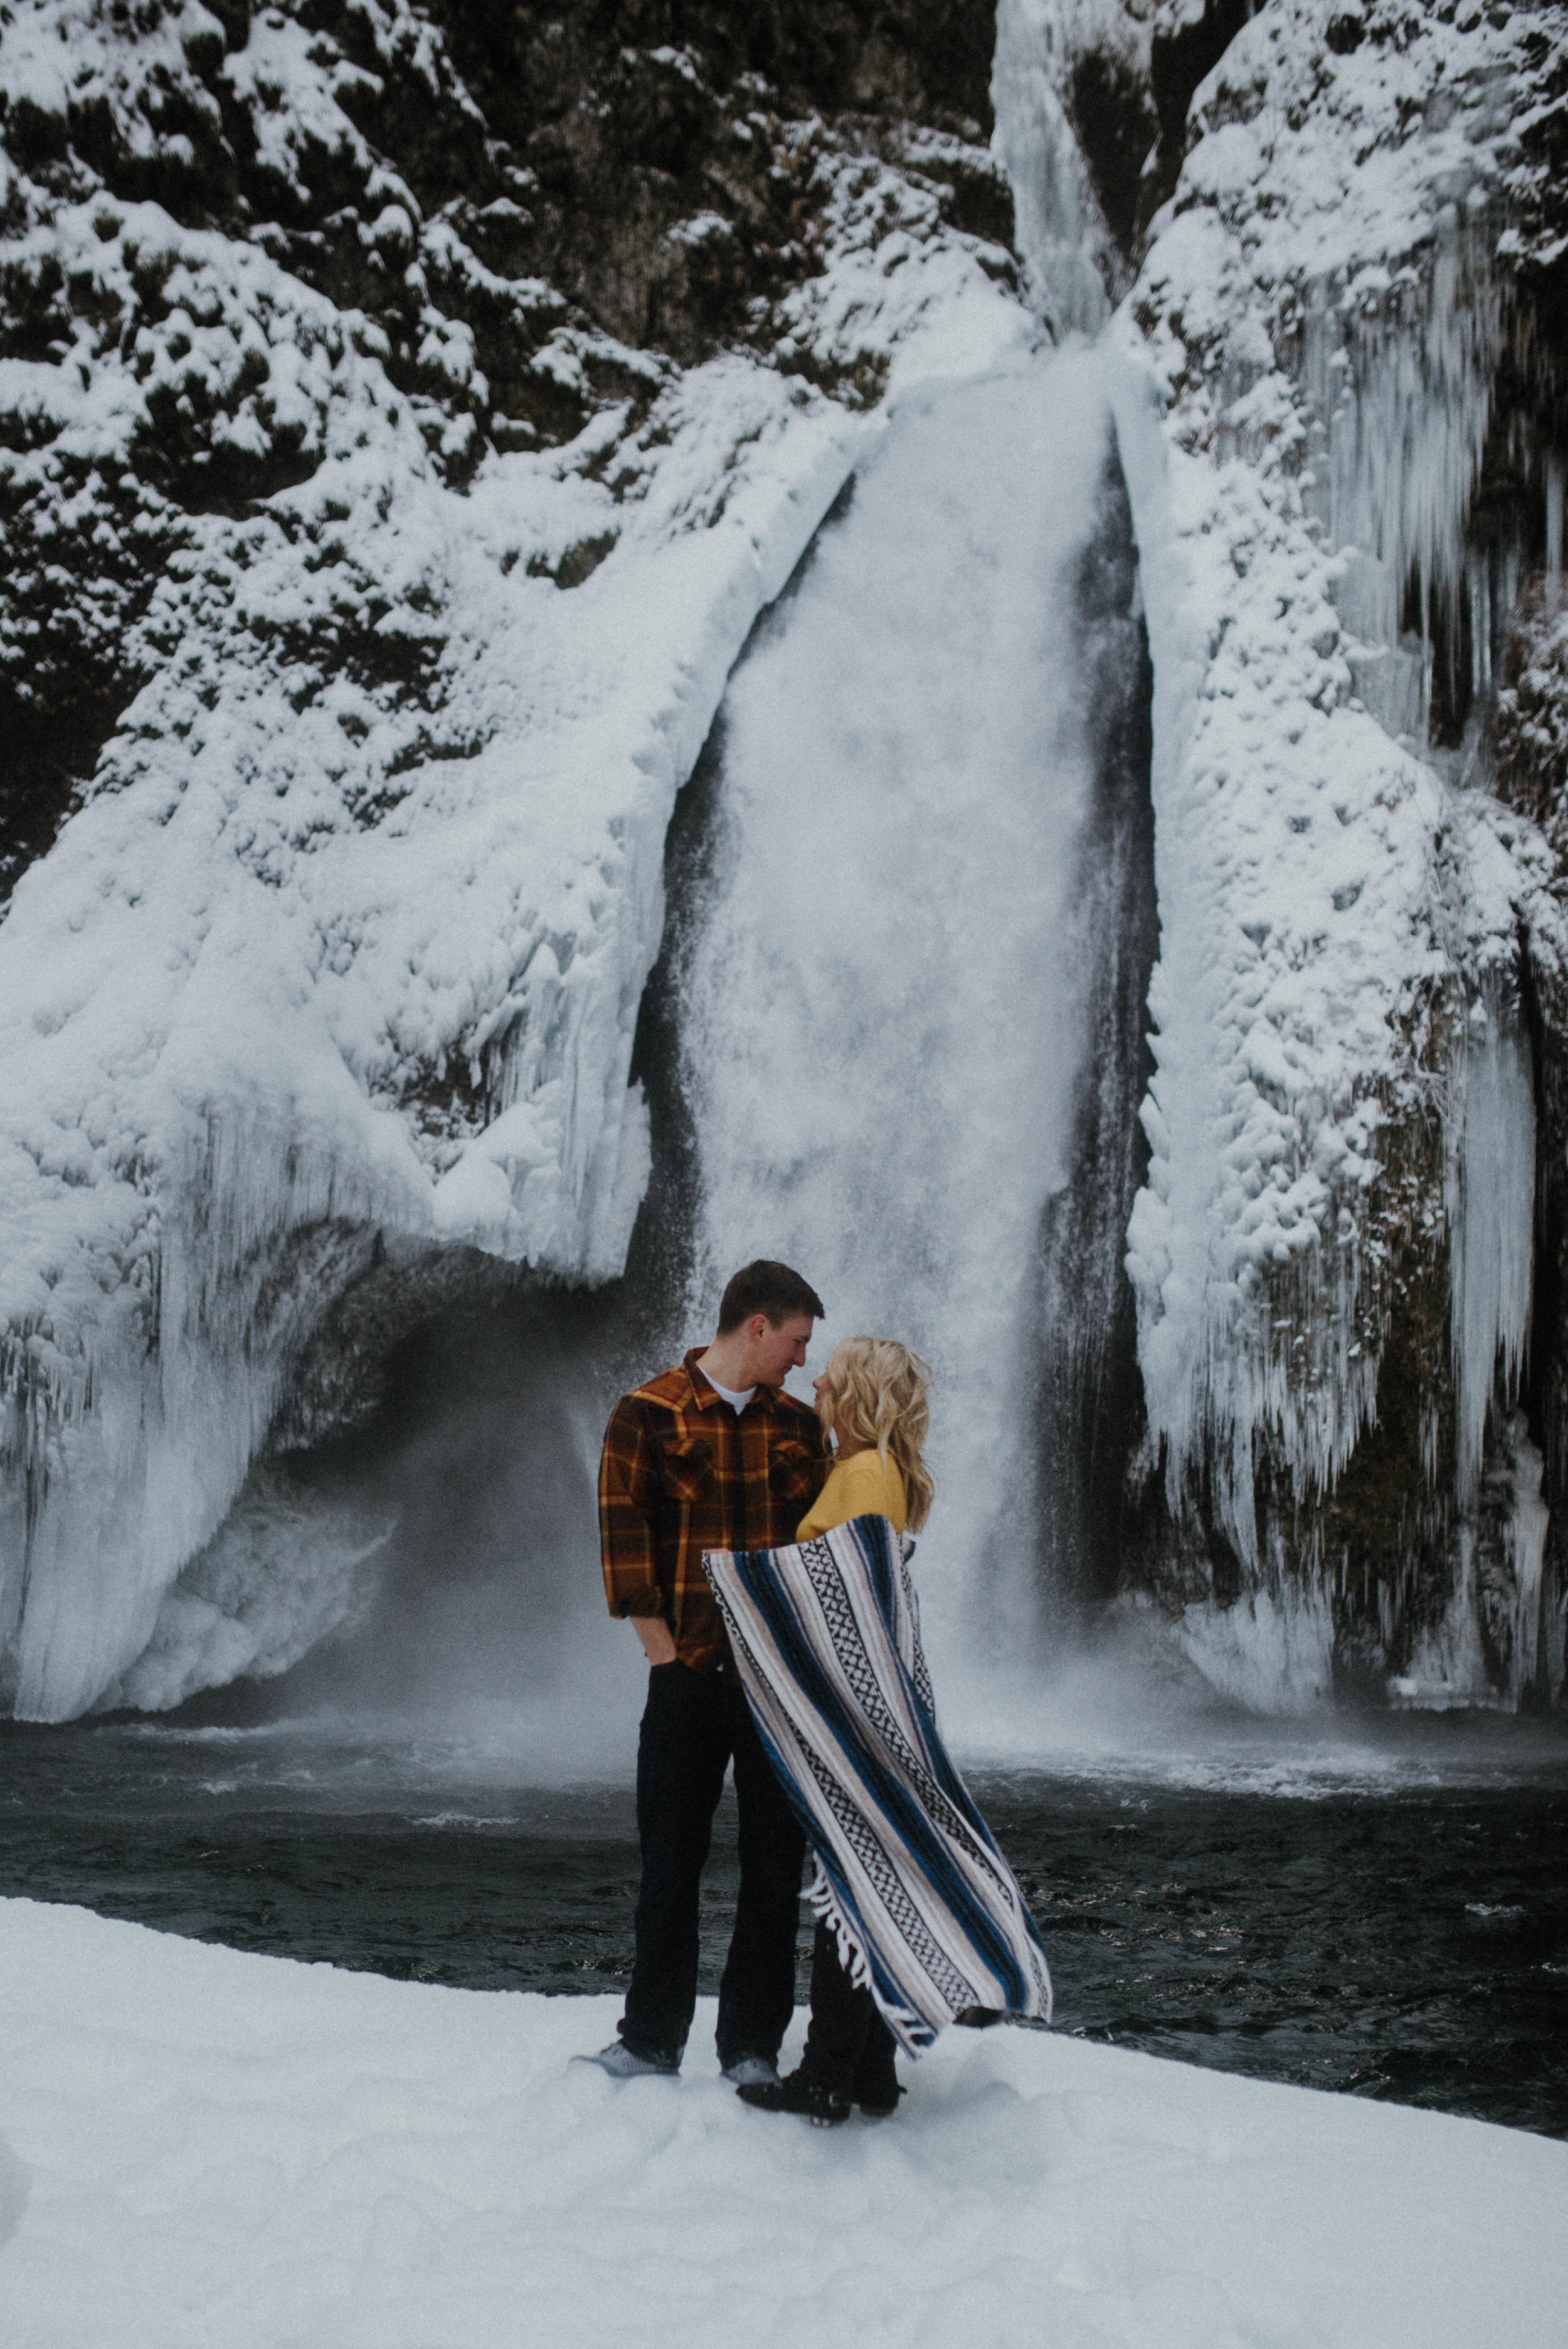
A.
pixel 322 958
pixel 347 944
pixel 1309 362
pixel 1492 1218
pixel 1536 1657
pixel 1268 1653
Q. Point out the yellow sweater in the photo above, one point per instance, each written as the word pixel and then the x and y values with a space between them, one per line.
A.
pixel 863 1485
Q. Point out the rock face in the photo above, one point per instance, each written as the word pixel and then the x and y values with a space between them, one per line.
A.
pixel 1343 437
pixel 404 412
pixel 506 212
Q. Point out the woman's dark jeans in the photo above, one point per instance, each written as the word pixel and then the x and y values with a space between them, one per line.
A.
pixel 849 2047
pixel 693 1725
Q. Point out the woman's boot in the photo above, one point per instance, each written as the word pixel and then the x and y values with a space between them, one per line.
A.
pixel 875 2087
pixel 823 2106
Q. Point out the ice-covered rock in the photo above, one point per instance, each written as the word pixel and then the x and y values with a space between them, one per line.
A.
pixel 401 425
pixel 404 592
pixel 1332 1254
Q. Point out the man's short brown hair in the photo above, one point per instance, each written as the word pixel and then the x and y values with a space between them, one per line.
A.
pixel 766 1287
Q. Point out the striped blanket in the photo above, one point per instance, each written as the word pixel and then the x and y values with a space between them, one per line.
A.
pixel 926 1911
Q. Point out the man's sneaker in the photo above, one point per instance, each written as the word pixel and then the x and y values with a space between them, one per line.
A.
pixel 619 2062
pixel 752 2072
pixel 823 2107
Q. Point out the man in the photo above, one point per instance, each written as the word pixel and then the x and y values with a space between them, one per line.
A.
pixel 714 1455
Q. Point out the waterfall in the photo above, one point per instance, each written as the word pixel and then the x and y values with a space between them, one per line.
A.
pixel 1061 231
pixel 883 1022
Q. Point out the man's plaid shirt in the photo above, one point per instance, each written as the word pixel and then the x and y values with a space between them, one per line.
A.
pixel 682 1472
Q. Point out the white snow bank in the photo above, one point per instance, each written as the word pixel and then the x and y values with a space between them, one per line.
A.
pixel 204 2146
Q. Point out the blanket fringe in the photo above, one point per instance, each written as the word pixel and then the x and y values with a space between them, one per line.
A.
pixel 912 2031
pixel 825 1909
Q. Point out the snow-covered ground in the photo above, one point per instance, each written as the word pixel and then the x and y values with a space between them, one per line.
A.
pixel 200 2147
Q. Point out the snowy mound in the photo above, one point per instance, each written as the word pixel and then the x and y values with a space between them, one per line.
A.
pixel 201 2145
pixel 426 589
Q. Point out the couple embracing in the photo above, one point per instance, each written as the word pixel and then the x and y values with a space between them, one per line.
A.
pixel 765 1571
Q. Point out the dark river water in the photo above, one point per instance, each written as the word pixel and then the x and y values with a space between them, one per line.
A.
pixel 1388 1920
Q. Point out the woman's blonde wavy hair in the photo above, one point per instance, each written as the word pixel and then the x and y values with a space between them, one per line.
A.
pixel 876 1393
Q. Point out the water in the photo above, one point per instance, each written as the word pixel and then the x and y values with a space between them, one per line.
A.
pixel 1387 1916
pixel 881 1021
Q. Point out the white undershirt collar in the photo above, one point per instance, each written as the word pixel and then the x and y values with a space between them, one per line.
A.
pixel 736 1397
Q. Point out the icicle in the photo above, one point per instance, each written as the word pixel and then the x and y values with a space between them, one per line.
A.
pixel 1480 625
pixel 1526 1539
pixel 1404 385
pixel 1266 1654
pixel 1448 1668
pixel 1491 1220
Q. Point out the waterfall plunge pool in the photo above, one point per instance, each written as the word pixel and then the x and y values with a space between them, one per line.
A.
pixel 1385 1914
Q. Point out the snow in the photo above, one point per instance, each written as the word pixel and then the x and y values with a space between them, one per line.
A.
pixel 61 51
pixel 328 956
pixel 200 2145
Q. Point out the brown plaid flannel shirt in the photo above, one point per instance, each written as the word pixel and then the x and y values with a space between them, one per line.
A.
pixel 682 1472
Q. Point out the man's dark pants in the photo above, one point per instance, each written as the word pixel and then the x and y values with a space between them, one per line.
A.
pixel 695 1723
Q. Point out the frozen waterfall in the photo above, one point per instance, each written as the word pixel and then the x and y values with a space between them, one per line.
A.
pixel 882 1023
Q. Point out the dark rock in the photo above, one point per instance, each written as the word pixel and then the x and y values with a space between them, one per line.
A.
pixel 1112 113
pixel 1091 1414
pixel 1179 60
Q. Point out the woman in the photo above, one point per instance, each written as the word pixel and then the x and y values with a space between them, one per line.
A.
pixel 923 1923
pixel 871 1399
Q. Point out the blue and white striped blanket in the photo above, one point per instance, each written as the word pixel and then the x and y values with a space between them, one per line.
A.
pixel 925 1909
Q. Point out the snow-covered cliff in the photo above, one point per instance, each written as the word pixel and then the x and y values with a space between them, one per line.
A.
pixel 1341 434
pixel 400 591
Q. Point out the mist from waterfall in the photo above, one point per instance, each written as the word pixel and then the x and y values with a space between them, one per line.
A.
pixel 881 1020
